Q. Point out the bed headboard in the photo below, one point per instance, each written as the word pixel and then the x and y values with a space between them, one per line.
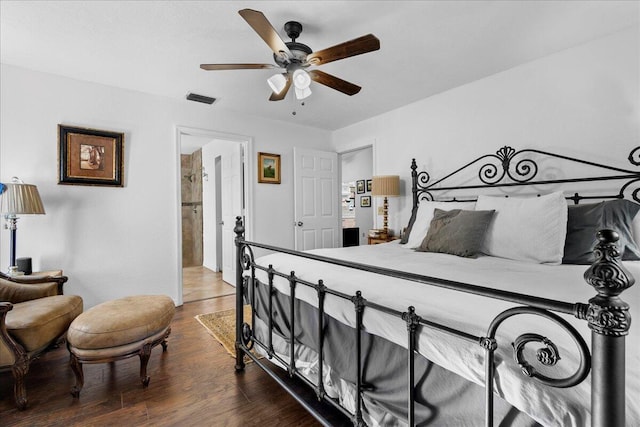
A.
pixel 509 167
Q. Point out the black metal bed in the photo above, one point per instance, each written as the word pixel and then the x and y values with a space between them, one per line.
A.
pixel 606 313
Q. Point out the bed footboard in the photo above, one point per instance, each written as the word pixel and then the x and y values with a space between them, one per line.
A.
pixel 607 315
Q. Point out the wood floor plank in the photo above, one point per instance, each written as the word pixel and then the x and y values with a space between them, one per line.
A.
pixel 200 283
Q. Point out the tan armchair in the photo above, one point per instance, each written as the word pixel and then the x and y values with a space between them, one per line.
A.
pixel 34 315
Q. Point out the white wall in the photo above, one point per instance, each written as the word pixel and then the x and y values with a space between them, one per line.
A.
pixel 581 102
pixel 113 242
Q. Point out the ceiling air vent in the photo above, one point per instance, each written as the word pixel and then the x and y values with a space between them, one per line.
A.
pixel 200 98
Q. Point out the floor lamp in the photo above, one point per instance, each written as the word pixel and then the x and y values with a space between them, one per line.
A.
pixel 385 186
pixel 17 198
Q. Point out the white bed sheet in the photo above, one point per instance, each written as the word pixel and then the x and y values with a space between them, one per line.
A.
pixel 473 314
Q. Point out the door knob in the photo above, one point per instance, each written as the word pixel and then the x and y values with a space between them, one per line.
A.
pixel 300 224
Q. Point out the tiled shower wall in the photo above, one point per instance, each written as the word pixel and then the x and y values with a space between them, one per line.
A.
pixel 191 171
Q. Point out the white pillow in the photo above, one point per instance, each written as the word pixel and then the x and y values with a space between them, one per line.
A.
pixel 425 215
pixel 526 229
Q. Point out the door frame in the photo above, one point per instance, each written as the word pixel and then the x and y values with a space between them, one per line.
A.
pixel 248 177
pixel 374 202
pixel 355 146
pixel 218 189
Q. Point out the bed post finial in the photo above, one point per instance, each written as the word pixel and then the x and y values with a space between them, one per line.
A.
pixel 414 181
pixel 609 320
pixel 239 228
pixel 608 314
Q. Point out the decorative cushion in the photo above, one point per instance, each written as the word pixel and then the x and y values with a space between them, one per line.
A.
pixel 584 221
pixel 36 323
pixel 457 232
pixel 526 229
pixel 424 215
pixel 121 321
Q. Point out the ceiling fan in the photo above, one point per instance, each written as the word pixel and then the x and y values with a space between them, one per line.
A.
pixel 296 57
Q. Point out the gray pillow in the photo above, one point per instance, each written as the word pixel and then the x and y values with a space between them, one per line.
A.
pixel 457 232
pixel 584 221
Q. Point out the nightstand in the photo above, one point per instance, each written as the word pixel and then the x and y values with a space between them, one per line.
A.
pixel 376 240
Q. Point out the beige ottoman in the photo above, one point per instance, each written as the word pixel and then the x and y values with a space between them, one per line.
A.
pixel 117 330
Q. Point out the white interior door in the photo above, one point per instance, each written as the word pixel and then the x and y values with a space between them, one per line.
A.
pixel 316 199
pixel 231 207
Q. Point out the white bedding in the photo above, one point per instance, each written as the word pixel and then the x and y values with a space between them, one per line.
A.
pixel 473 314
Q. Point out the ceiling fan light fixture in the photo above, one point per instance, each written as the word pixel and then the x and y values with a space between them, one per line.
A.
pixel 277 83
pixel 302 93
pixel 301 80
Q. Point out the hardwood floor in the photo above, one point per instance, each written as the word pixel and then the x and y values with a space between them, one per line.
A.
pixel 193 384
pixel 200 283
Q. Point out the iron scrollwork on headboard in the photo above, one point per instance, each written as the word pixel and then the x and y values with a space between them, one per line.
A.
pixel 525 170
pixel 509 167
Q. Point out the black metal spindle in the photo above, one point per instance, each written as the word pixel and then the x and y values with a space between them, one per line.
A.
pixel 292 320
pixel 239 230
pixel 270 338
pixel 254 285
pixel 489 345
pixel 321 294
pixel 413 320
pixel 358 303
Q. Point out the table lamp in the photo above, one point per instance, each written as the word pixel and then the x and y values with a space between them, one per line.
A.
pixel 385 186
pixel 17 198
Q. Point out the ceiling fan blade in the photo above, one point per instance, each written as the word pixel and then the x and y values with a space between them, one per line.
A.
pixel 334 82
pixel 280 96
pixel 347 49
pixel 215 67
pixel 263 27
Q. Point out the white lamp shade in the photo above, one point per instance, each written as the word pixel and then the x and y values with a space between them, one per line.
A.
pixel 385 186
pixel 20 199
pixel 277 83
pixel 301 79
pixel 302 93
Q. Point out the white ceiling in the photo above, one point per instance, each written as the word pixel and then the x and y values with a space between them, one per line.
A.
pixel 427 47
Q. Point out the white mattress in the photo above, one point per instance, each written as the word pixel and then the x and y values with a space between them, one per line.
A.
pixel 473 314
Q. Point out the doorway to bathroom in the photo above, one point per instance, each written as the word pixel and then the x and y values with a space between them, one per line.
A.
pixel 213 192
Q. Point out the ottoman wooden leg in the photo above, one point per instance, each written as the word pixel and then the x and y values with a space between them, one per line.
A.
pixel 164 340
pixel 76 367
pixel 145 353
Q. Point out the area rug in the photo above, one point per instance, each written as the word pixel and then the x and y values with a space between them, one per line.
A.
pixel 222 326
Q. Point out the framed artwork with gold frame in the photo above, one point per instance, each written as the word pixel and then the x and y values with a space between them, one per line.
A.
pixel 90 156
pixel 268 168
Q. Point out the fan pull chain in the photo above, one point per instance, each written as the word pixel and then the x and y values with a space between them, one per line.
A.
pixel 294 111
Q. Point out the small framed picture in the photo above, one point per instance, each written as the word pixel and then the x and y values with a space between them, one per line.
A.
pixel 360 186
pixel 369 185
pixel 90 156
pixel 268 168
pixel 365 201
